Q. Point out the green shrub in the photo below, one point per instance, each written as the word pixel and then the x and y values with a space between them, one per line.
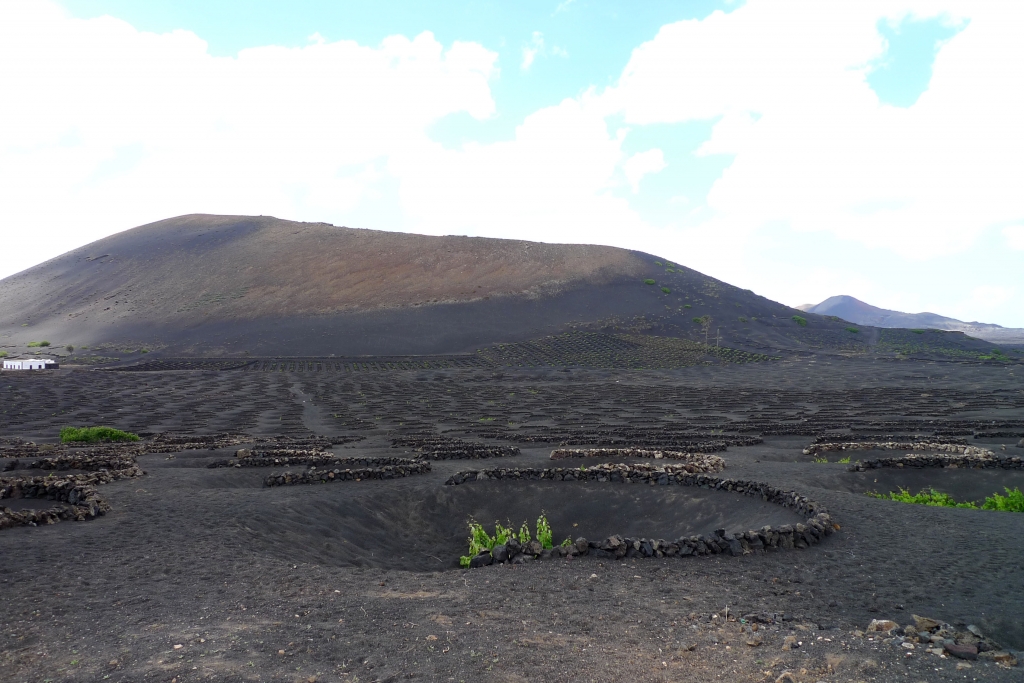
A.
pixel 931 497
pixel 649 281
pixel 802 322
pixel 658 263
pixel 844 461
pixel 94 434
pixel 853 330
pixel 1013 501
pixel 666 290
pixel 687 306
pixel 742 319
pixel 38 343
pixel 918 331
pixel 4 354
pixel 69 348
pixel 480 540
pixel 544 534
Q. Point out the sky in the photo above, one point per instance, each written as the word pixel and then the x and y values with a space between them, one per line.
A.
pixel 798 149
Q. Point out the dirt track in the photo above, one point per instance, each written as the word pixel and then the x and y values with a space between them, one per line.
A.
pixel 349 581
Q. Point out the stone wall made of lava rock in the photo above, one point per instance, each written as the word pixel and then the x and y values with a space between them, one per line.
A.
pixel 316 475
pixel 898 446
pixel 915 460
pixel 81 501
pixel 312 459
pixel 76 492
pixel 449 448
pixel 817 526
pixel 862 438
pixel 172 443
pixel 74 461
pixel 690 447
pixel 702 461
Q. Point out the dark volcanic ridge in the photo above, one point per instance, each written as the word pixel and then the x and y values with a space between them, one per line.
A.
pixel 238 286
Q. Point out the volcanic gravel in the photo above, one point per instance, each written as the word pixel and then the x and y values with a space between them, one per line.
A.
pixel 204 574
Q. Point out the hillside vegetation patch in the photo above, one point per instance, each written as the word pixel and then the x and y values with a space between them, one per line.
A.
pixel 95 435
pixel 1013 501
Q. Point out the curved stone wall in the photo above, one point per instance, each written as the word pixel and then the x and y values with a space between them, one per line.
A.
pixel 701 462
pixel 817 526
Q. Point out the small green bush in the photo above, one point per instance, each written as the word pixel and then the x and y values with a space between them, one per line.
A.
pixel 658 263
pixel 94 434
pixel 544 534
pixel 742 319
pixel 687 306
pixel 649 281
pixel 4 354
pixel 918 331
pixel 35 344
pixel 931 498
pixel 1013 501
pixel 853 330
pixel 69 348
pixel 666 290
pixel 802 322
pixel 480 540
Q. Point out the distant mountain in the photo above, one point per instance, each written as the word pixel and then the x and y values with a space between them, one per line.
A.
pixel 856 311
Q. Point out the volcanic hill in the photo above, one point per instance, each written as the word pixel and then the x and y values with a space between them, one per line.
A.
pixel 243 285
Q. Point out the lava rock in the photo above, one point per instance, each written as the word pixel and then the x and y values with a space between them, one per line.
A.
pixel 499 553
pixel 961 651
pixel 481 560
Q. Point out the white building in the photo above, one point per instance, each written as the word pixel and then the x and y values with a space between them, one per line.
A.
pixel 31 364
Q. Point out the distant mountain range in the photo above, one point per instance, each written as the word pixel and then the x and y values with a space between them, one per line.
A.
pixel 856 311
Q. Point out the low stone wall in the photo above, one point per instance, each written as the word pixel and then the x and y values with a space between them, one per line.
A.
pixel 702 462
pixel 166 442
pixel 680 442
pixel 77 492
pixel 449 448
pixel 920 460
pixel 887 438
pixel 313 459
pixel 316 475
pixel 74 461
pixel 817 526
pixel 897 446
pixel 321 443
pixel 82 501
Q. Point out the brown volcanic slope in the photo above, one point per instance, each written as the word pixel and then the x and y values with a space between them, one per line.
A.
pixel 204 284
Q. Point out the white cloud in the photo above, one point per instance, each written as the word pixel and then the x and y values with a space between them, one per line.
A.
pixel 531 51
pixel 564 6
pixel 108 127
pixel 814 147
pixel 1015 236
pixel 552 183
pixel 641 164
